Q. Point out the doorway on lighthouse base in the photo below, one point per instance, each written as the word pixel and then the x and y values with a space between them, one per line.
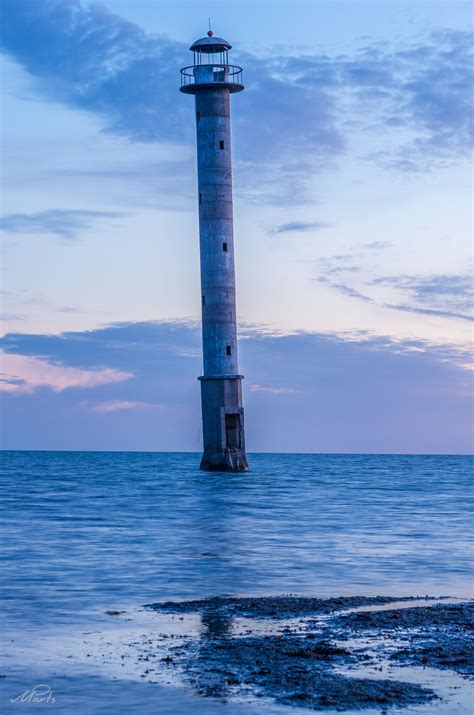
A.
pixel 233 432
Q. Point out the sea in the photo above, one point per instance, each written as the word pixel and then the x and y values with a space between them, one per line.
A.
pixel 89 532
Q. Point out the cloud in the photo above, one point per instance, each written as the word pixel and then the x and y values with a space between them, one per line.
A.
pixel 87 57
pixel 375 246
pixel 69 310
pixel 23 374
pixel 439 295
pixel 435 97
pixel 307 108
pixel 455 290
pixel 442 295
pixel 405 308
pixel 304 392
pixel 338 264
pixel 429 311
pixel 117 405
pixel 351 292
pixel 273 390
pixel 66 224
pixel 303 226
pixel 11 317
pixel 351 262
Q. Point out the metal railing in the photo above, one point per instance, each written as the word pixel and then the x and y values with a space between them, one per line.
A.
pixel 212 73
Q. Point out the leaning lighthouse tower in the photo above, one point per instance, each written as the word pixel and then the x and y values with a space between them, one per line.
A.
pixel 212 80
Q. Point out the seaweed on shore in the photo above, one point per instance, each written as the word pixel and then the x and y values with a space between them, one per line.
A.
pixel 305 663
pixel 440 636
pixel 459 615
pixel 272 606
pixel 293 671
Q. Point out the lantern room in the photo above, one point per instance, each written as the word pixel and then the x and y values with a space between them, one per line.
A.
pixel 211 68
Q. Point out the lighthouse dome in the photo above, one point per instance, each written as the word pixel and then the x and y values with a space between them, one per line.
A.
pixel 210 44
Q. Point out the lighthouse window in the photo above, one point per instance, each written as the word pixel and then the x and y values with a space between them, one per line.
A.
pixel 228 350
pixel 198 116
pixel 200 198
pixel 224 247
pixel 221 144
pixel 204 300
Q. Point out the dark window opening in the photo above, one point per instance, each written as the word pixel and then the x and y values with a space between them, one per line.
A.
pixel 198 116
pixel 204 300
pixel 233 431
pixel 200 198
pixel 228 350
pixel 221 144
pixel 224 247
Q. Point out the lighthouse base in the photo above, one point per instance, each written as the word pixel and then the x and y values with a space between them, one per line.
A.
pixel 223 424
pixel 230 459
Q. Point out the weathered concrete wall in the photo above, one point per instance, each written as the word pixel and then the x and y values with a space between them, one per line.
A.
pixel 219 331
pixel 222 398
pixel 221 391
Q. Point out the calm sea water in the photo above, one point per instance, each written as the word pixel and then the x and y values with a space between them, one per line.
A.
pixel 86 532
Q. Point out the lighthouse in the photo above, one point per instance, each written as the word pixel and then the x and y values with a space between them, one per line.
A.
pixel 212 80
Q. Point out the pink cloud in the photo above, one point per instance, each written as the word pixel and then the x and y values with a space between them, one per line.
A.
pixel 116 405
pixel 22 374
pixel 273 390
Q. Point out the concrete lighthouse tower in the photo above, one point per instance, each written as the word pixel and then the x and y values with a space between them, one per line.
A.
pixel 212 80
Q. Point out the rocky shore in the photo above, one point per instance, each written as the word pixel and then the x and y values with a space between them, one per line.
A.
pixel 320 654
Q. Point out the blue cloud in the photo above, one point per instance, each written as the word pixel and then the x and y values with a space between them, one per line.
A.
pixel 439 295
pixel 351 292
pixel 10 317
pixel 455 290
pixel 303 392
pixel 87 57
pixel 404 307
pixel 429 311
pixel 300 226
pixel 304 107
pixel 66 224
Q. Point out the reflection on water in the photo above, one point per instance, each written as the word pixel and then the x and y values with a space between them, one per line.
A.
pixel 90 532
pixel 94 531
pixel 215 624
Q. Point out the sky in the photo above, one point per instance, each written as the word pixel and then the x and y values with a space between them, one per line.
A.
pixel 352 213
